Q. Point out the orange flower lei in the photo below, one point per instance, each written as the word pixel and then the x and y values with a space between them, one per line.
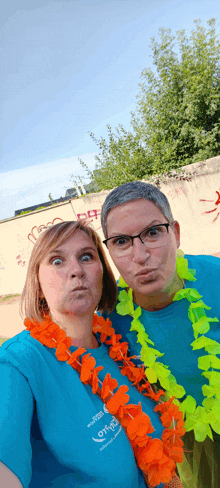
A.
pixel 156 458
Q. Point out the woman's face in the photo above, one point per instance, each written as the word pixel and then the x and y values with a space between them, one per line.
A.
pixel 145 270
pixel 70 276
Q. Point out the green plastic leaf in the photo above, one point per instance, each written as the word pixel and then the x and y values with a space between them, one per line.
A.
pixel 213 377
pixel 216 410
pixel 215 362
pixel 123 296
pixel 204 362
pixel 201 326
pixel 123 308
pixel 216 392
pixel 209 403
pixel 190 423
pixel 151 375
pixel 142 338
pixel 180 294
pixel 208 391
pixel 194 294
pixel 182 269
pixel 122 283
pixel 164 383
pixel 192 271
pixel 213 348
pixel 137 326
pixel 189 404
pixel 204 342
pixel 172 380
pixel 215 424
pixel 161 370
pixel 137 313
pixel 201 431
pixel 199 304
pixel 200 415
pixel 178 391
pixel 148 357
pixel 191 294
pixel 157 353
pixel 130 294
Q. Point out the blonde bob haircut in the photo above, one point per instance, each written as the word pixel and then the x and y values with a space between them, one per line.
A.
pixel 32 304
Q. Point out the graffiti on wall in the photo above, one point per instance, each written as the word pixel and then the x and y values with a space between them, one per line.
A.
pixel 176 192
pixel 19 261
pixel 216 203
pixel 91 216
pixel 35 231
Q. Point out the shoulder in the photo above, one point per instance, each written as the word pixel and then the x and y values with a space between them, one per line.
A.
pixel 203 259
pixel 22 351
pixel 205 264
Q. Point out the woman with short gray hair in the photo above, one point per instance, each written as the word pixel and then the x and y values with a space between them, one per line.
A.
pixel 158 308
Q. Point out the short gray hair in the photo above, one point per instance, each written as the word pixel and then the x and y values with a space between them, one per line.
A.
pixel 135 190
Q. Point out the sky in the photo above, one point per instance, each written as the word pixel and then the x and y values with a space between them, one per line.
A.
pixel 69 69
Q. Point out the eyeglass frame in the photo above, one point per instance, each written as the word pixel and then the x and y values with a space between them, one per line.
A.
pixel 139 235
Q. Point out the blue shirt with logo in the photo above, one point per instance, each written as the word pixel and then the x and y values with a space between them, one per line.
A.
pixel 54 432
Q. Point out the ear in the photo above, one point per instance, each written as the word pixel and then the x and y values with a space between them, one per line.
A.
pixel 176 230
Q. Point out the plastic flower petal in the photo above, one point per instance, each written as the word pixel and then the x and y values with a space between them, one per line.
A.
pixel 95 381
pixel 109 384
pixel 88 364
pixel 103 326
pixel 74 357
pixel 139 426
pixel 119 399
pixel 61 351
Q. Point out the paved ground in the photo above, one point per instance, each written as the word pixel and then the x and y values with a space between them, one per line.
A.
pixel 10 320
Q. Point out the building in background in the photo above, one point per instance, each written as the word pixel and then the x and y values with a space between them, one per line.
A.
pixel 70 194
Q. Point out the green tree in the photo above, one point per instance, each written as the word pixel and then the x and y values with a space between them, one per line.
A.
pixel 177 117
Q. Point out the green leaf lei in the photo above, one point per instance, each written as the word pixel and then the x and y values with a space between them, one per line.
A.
pixel 197 418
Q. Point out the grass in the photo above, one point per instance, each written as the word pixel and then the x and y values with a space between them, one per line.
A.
pixel 3 339
pixel 6 297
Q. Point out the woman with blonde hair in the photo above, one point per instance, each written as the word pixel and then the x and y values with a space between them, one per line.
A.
pixel 61 422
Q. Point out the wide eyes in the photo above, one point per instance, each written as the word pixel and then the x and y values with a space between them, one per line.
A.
pixel 84 258
pixel 57 261
pixel 120 241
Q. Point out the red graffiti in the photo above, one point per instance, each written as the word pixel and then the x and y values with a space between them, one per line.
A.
pixel 177 191
pixel 35 231
pixel 90 216
pixel 216 205
pixel 19 261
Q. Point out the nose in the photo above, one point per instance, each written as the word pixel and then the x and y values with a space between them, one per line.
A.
pixel 76 269
pixel 140 251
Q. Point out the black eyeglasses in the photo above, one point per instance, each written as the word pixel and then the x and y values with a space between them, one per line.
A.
pixel 152 237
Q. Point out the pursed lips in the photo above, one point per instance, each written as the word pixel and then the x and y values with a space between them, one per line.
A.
pixel 79 288
pixel 145 272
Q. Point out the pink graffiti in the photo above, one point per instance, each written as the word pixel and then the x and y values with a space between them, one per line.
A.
pixel 19 261
pixel 35 231
pixel 90 216
pixel 177 191
pixel 216 205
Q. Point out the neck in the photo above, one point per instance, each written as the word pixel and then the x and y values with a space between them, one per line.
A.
pixel 161 299
pixel 78 328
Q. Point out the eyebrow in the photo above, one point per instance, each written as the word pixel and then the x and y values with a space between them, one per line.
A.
pixel 148 227
pixel 60 251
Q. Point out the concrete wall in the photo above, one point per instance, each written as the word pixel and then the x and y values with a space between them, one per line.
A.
pixel 194 196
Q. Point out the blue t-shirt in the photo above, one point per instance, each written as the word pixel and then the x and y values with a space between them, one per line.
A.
pixel 54 432
pixel 171 330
